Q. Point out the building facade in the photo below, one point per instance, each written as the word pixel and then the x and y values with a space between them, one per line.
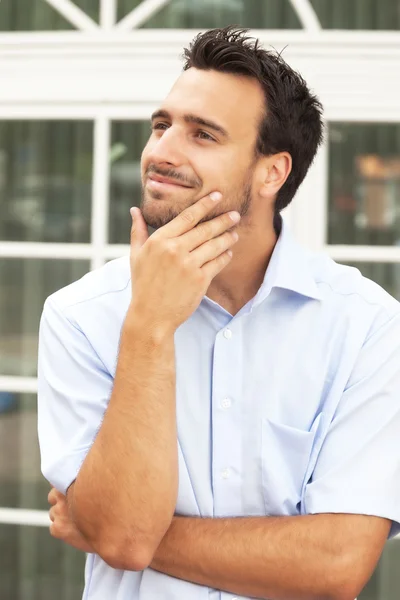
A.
pixel 78 81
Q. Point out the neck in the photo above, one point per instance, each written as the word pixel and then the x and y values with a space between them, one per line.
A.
pixel 240 281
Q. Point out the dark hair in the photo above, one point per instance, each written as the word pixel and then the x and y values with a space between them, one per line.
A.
pixel 293 118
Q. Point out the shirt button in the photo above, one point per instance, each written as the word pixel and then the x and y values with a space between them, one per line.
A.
pixel 226 403
pixel 228 334
pixel 226 474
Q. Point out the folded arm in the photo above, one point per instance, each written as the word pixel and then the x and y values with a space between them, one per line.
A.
pixel 127 443
pixel 309 557
pixel 135 452
pixel 326 556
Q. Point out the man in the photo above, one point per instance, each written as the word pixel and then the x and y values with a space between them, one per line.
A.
pixel 219 416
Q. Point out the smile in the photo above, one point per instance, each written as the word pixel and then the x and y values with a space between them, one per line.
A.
pixel 156 182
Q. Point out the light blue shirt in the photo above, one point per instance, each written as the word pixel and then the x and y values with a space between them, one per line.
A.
pixel 290 407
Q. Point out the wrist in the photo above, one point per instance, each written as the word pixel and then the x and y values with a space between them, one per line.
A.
pixel 143 326
pixel 160 557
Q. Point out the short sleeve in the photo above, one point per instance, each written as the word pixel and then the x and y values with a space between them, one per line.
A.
pixel 358 467
pixel 73 392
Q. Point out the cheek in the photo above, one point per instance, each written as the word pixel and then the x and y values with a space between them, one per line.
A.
pixel 223 181
pixel 211 170
pixel 222 168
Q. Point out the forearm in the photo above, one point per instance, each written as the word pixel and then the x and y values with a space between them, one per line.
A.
pixel 283 558
pixel 135 451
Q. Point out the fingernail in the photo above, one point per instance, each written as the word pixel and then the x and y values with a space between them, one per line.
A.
pixel 216 196
pixel 235 216
pixel 132 211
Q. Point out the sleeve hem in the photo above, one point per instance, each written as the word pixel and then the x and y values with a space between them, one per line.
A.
pixel 62 473
pixel 354 506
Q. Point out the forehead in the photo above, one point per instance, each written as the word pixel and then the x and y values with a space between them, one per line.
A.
pixel 235 102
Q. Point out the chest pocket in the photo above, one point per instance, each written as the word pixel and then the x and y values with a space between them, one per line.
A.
pixel 285 457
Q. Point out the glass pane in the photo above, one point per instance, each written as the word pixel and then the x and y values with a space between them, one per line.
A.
pixel 90 7
pixel 35 566
pixel 128 141
pixel 24 285
pixel 21 482
pixel 364 184
pixel 387 275
pixel 37 15
pixel 385 582
pixel 187 14
pixel 45 181
pixel 358 14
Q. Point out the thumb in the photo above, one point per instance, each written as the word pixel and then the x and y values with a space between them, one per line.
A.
pixel 139 233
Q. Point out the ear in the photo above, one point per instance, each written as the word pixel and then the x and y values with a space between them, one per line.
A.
pixel 277 170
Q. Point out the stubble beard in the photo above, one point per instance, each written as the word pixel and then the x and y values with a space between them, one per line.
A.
pixel 242 204
pixel 167 213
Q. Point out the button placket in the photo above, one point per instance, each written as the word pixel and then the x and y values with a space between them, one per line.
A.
pixel 226 423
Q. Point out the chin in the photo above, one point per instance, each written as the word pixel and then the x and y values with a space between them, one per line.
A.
pixel 158 210
pixel 158 213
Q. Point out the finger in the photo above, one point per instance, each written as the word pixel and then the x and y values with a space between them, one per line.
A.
pixel 214 248
pixel 190 217
pixel 54 496
pixel 52 515
pixel 209 230
pixel 63 508
pixel 54 531
pixel 212 268
pixel 139 233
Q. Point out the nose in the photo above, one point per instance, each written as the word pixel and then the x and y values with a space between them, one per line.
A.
pixel 168 149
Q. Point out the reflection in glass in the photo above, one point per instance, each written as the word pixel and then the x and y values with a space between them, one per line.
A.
pixel 21 482
pixel 204 14
pixel 35 566
pixel 38 15
pixel 128 141
pixel 358 14
pixel 387 275
pixel 45 180
pixel 24 285
pixel 364 184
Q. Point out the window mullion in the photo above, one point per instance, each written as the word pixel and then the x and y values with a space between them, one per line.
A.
pixel 100 190
pixel 108 14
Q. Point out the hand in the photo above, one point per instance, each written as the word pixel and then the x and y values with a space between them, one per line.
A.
pixel 172 270
pixel 62 527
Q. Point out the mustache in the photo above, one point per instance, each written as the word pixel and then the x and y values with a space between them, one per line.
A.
pixel 172 174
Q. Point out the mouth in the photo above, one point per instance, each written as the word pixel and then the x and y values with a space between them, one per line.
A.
pixel 158 182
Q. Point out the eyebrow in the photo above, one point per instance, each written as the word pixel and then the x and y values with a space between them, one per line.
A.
pixel 193 119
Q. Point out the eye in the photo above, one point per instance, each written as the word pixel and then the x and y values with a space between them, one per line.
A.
pixel 205 136
pixel 160 125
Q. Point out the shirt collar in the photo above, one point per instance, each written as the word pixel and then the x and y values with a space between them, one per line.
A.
pixel 288 269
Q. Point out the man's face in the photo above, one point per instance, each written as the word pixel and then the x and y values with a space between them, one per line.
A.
pixel 203 140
